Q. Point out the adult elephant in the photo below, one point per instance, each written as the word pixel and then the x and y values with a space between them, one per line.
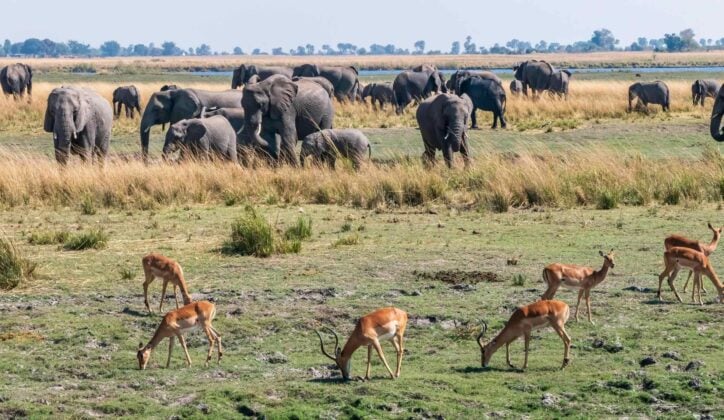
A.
pixel 321 81
pixel 534 73
pixel 129 97
pixel 716 115
pixel 415 86
pixel 344 79
pixel 443 124
pixel 81 121
pixel 202 139
pixel 235 116
pixel 243 73
pixel 702 89
pixel 559 83
pixel 656 92
pixel 516 87
pixel 487 95
pixel 16 79
pixel 459 76
pixel 279 111
pixel 173 106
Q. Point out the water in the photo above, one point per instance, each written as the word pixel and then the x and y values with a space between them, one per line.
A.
pixel 363 73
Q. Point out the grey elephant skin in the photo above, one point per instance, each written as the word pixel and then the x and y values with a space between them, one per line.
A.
pixel 128 97
pixel 210 138
pixel 488 95
pixel 656 92
pixel 534 74
pixel 235 116
pixel 559 83
pixel 173 106
pixel 516 87
pixel 243 73
pixel 165 88
pixel 414 86
pixel 443 123
pixel 702 89
pixel 716 116
pixel 344 79
pixel 459 76
pixel 379 93
pixel 321 81
pixel 81 121
pixel 326 145
pixel 278 112
pixel 16 79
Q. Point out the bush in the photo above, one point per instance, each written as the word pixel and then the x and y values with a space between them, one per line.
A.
pixel 251 234
pixel 93 239
pixel 127 273
pixel 87 207
pixel 48 238
pixel 14 268
pixel 607 200
pixel 301 230
pixel 518 280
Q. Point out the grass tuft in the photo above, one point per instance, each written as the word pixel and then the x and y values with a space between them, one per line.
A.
pixel 93 239
pixel 14 267
pixel 48 237
pixel 352 239
pixel 252 234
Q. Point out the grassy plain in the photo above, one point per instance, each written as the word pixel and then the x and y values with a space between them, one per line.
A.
pixel 385 236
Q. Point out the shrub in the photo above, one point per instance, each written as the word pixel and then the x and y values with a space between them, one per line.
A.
pixel 500 202
pixel 607 200
pixel 14 268
pixel 251 234
pixel 518 280
pixel 87 207
pixel 301 230
pixel 48 238
pixel 93 239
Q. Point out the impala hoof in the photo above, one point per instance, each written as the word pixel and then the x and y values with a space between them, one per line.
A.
pixel 566 362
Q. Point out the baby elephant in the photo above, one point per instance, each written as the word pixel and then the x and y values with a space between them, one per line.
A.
pixel 379 92
pixel 202 139
pixel 129 97
pixel 324 146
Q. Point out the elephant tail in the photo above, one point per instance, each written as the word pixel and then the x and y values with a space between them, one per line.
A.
pixel 667 98
pixel 369 151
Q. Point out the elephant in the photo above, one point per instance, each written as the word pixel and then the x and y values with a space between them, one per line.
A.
pixel 16 79
pixel 381 93
pixel 173 106
pixel 279 111
pixel 534 73
pixel 202 139
pixel 81 121
pixel 129 97
pixel 253 79
pixel 415 86
pixel 485 94
pixel 559 83
pixel 460 75
pixel 243 73
pixel 516 87
pixel 235 116
pixel 344 79
pixel 702 89
pixel 326 145
pixel 424 68
pixel 649 93
pixel 164 88
pixel 321 81
pixel 443 125
pixel 716 115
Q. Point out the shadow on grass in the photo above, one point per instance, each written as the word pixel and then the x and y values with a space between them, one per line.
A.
pixel 479 369
pixel 133 312
pixel 657 301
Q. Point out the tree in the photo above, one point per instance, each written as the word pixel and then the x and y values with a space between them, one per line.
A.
pixel 603 39
pixel 256 51
pixel 310 49
pixel 420 47
pixel 673 42
pixel 140 50
pixel 203 49
pixel 469 45
pixel 169 48
pixel 687 39
pixel 541 46
pixel 238 51
pixel 110 49
pixel 278 51
pixel 361 51
pixel 6 46
pixel 642 42
pixel 455 48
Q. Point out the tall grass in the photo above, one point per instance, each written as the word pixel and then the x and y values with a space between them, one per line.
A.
pixel 493 181
pixel 14 267
pixel 252 234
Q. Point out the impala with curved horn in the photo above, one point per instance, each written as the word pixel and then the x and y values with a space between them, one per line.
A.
pixel 382 324
pixel 525 319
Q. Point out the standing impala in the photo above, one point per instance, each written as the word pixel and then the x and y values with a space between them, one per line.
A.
pixel 576 277
pixel 382 324
pixel 698 262
pixel 525 319
pixel 175 323
pixel 683 242
pixel 156 265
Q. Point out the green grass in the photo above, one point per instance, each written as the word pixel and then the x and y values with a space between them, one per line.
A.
pixel 14 266
pixel 48 237
pixel 252 234
pixel 92 239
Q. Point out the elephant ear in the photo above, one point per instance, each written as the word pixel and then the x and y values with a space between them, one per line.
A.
pixel 236 78
pixel 195 130
pixel 49 119
pixel 568 72
pixel 281 97
pixel 82 114
pixel 354 69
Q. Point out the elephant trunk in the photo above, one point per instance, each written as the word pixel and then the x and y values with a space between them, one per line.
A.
pixel 716 115
pixel 147 122
pixel 454 136
pixel 63 132
pixel 251 132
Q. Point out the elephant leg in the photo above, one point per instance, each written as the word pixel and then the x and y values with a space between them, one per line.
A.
pixel 428 156
pixel 501 116
pixel 495 120
pixel 447 154
pixel 464 150
pixel 473 118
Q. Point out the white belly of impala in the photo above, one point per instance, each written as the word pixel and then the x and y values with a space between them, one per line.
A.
pixel 389 331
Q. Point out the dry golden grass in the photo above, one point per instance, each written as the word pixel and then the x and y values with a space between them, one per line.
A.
pixel 604 59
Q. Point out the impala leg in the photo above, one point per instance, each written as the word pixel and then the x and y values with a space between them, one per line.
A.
pixel 149 279
pixel 212 340
pixel 588 305
pixel 687 281
pixel 163 295
pixel 218 342
pixel 170 349
pixel 550 292
pixel 507 355
pixel 369 362
pixel 663 274
pixel 376 343
pixel 672 277
pixel 559 327
pixel 186 351
pixel 699 286
pixel 400 351
pixel 578 304
pixel 175 294
pixel 527 343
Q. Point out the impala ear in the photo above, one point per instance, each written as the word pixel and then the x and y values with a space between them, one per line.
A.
pixel 140 346
pixel 710 227
pixel 601 253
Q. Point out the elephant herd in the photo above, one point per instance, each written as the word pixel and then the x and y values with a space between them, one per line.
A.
pixel 279 106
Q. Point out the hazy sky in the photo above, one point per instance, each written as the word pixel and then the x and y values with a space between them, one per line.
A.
pixel 224 24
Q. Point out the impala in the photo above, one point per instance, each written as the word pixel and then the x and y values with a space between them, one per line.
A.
pixel 156 265
pixel 175 323
pixel 698 262
pixel 576 277
pixel 525 319
pixel 683 242
pixel 382 324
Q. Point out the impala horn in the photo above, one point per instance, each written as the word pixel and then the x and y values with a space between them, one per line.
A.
pixel 321 342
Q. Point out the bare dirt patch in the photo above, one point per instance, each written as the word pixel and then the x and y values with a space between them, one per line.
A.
pixel 458 276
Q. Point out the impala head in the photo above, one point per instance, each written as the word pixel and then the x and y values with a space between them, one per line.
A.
pixel 143 355
pixel 485 354
pixel 717 232
pixel 342 362
pixel 607 258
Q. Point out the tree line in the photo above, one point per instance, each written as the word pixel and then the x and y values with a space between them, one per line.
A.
pixel 601 40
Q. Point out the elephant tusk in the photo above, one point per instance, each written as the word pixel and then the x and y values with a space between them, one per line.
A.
pixel 258 129
pixel 147 130
pixel 75 135
pixel 203 111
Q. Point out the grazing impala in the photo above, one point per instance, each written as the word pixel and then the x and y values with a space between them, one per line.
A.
pixel 175 323
pixel 382 324
pixel 525 319
pixel 683 242
pixel 698 262
pixel 156 265
pixel 576 277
